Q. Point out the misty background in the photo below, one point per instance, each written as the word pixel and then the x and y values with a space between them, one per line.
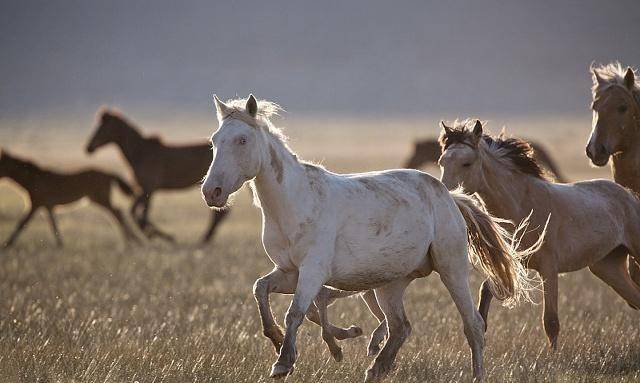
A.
pixel 346 57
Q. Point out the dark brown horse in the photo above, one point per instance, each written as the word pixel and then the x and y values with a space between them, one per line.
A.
pixel 428 151
pixel 156 166
pixel 49 189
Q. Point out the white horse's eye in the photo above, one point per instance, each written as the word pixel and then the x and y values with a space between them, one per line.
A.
pixel 242 140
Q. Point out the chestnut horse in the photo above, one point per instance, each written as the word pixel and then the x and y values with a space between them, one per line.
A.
pixel 592 224
pixel 156 166
pixel 427 152
pixel 48 189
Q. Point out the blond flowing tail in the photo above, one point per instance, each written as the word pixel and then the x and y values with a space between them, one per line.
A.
pixel 495 251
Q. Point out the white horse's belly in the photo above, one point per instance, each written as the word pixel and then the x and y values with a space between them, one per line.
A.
pixel 379 259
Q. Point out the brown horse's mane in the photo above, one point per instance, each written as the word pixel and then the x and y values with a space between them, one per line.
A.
pixel 518 152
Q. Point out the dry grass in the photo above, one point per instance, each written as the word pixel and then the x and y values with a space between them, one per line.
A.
pixel 98 312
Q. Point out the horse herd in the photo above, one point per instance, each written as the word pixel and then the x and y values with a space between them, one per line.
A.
pixel 332 235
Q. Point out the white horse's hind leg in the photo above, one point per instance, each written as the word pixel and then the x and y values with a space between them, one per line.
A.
pixel 390 299
pixel 452 264
pixel 378 335
pixel 322 301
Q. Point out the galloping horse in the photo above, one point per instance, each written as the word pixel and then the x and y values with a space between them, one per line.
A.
pixel 591 224
pixel 616 128
pixel 48 189
pixel 156 166
pixel 356 232
pixel 428 151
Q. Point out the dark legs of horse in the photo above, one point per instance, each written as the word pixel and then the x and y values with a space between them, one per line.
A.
pixel 16 232
pixel 217 216
pixel 104 199
pixel 140 214
pixel 54 226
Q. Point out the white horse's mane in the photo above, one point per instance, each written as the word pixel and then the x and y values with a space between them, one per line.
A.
pixel 266 110
pixel 611 74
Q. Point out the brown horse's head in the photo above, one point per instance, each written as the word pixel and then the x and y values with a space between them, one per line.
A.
pixel 7 164
pixel 425 152
pixel 106 131
pixel 616 110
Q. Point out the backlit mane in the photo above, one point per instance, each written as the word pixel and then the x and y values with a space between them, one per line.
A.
pixel 612 74
pixel 266 110
pixel 513 152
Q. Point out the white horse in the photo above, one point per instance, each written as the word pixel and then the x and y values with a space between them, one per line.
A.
pixel 356 232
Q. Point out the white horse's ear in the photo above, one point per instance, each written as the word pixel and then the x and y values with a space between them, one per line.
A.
pixel 629 78
pixel 477 129
pixel 252 106
pixel 447 130
pixel 221 108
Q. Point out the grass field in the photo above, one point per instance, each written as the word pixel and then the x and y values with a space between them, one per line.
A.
pixel 96 311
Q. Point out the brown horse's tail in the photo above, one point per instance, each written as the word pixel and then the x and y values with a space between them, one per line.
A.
pixel 494 250
pixel 122 184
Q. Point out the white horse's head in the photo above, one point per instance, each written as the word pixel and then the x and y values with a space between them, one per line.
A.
pixel 460 161
pixel 237 151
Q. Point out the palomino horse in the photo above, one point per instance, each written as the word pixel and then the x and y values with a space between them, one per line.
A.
pixel 591 224
pixel 428 151
pixel 49 189
pixel 616 128
pixel 156 166
pixel 356 232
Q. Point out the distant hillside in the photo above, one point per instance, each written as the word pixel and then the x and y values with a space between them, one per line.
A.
pixel 365 56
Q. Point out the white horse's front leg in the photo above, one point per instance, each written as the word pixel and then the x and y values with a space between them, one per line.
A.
pixel 276 281
pixel 310 281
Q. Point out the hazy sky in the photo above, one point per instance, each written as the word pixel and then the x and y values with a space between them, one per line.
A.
pixel 349 57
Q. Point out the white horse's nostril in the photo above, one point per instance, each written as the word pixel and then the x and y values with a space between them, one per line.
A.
pixel 217 192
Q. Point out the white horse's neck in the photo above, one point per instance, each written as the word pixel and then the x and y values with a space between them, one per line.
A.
pixel 505 190
pixel 280 184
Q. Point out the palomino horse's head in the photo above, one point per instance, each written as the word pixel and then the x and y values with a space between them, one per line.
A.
pixel 460 162
pixel 616 112
pixel 106 131
pixel 238 151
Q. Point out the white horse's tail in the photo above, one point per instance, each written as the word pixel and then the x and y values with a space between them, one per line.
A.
pixel 494 250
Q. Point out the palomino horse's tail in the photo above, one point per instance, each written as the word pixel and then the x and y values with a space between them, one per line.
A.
pixel 122 184
pixel 494 250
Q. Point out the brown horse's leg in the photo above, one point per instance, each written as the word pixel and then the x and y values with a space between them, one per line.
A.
pixel 613 271
pixel 217 216
pixel 550 311
pixel 103 198
pixel 485 302
pixel 149 229
pixel 54 227
pixel 20 227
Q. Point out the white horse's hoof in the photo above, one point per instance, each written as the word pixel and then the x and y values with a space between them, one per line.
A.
pixel 280 371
